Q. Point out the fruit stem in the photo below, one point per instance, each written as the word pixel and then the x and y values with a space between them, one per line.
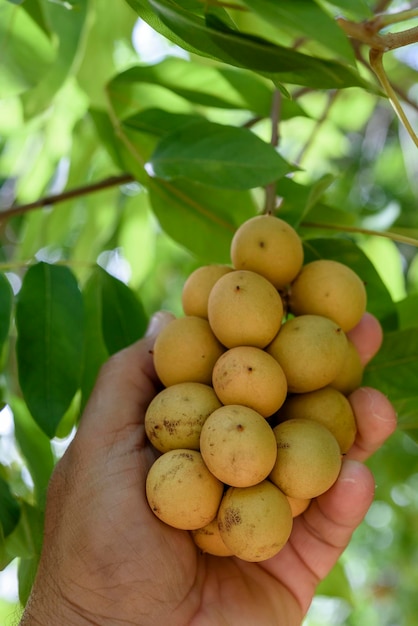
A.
pixel 376 62
pixel 270 190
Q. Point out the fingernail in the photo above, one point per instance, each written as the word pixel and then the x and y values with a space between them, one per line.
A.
pixel 157 322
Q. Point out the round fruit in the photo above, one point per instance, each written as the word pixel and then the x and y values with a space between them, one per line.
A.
pixel 331 289
pixel 175 416
pixel 311 351
pixel 186 351
pixel 298 505
pixel 197 288
pixel 351 374
pixel 244 309
pixel 327 406
pixel 255 522
pixel 252 377
pixel 209 540
pixel 181 491
pixel 238 445
pixel 269 246
pixel 308 458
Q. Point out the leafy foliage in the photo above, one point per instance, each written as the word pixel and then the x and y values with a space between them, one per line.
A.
pixel 134 139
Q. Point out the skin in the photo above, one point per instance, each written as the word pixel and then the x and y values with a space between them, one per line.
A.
pixel 108 561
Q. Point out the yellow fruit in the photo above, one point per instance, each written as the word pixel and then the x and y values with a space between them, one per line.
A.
pixel 351 374
pixel 209 540
pixel 252 377
pixel 311 351
pixel 238 445
pixel 298 505
pixel 181 491
pixel 331 289
pixel 308 458
pixel 255 522
pixel 186 351
pixel 244 309
pixel 327 406
pixel 196 289
pixel 269 246
pixel 175 416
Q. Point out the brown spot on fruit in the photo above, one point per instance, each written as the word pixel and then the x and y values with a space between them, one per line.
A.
pixel 232 518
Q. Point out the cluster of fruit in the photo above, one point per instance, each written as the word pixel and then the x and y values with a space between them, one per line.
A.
pixel 253 417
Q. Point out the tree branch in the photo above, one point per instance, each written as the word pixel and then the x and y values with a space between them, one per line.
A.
pixel 368 32
pixel 270 200
pixel 112 181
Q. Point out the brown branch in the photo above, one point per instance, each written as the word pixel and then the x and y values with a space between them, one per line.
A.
pixel 270 200
pixel 368 32
pixel 113 181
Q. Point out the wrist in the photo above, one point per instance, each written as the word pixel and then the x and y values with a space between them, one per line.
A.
pixel 46 608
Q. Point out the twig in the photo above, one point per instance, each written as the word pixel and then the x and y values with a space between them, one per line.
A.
pixel 410 241
pixel 270 198
pixel 113 181
pixel 376 62
pixel 330 101
pixel 368 32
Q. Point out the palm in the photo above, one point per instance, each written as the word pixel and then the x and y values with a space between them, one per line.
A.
pixel 200 589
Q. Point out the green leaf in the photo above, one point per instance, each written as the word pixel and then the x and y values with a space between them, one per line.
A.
pixel 123 316
pixel 6 305
pixel 394 371
pixel 100 60
pixel 379 301
pixel 203 219
pixel 137 237
pixel 158 122
pixel 306 19
pixel 107 136
pixel 217 40
pixel 95 350
pixel 49 319
pixel 114 318
pixel 26 575
pixel 358 9
pixel 68 23
pixel 26 52
pixel 218 155
pixel 35 448
pixel 229 88
pixel 26 539
pixel 298 200
pixel 407 311
pixel 9 509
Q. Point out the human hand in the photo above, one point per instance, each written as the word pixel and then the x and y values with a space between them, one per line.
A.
pixel 108 561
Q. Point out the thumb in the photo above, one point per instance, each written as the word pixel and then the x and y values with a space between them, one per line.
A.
pixel 158 321
pixel 126 384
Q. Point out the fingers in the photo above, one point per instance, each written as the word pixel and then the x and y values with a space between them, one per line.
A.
pixel 126 384
pixel 367 337
pixel 332 518
pixel 375 416
pixel 322 533
pixel 376 421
